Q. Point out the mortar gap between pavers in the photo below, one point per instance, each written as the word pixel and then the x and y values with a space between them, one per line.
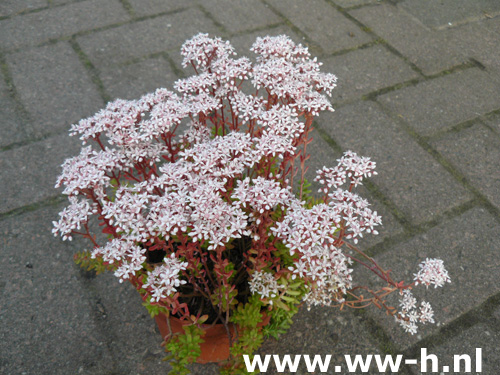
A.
pixel 91 70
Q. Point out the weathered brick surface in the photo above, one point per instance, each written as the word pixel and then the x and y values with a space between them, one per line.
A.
pixel 475 152
pixel 127 42
pixel 366 70
pixel 60 21
pixel 420 45
pixel 467 244
pixel 241 15
pixel 445 101
pixel 409 176
pixel 322 23
pixel 54 86
pixel 29 173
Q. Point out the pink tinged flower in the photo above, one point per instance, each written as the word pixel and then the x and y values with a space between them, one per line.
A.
pixel 226 156
pixel 73 217
pixel 169 214
pixel 196 132
pixel 202 103
pixel 126 254
pixel 247 107
pixel 164 280
pixel 408 325
pixel 203 82
pixel 228 73
pixel 279 47
pixel 163 117
pixel 408 302
pixel 264 284
pixel 212 218
pixel 200 50
pixel 432 271
pixel 411 313
pixel 263 195
pixel 127 214
pixel 426 313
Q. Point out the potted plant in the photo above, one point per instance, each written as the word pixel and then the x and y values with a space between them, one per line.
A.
pixel 203 197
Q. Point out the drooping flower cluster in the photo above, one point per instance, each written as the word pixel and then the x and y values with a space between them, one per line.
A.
pixel 432 271
pixel 411 313
pixel 188 214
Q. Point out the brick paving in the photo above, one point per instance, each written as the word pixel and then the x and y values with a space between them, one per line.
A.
pixel 419 91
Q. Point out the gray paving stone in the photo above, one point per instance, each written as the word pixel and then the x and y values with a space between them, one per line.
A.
pixel 445 101
pixel 449 12
pixel 12 125
pixel 59 2
pixel 323 330
pixel 324 25
pixel 493 120
pixel 366 70
pixel 134 80
pixel 467 244
pixel 478 336
pixel 241 15
pixel 351 3
pixel 478 40
pixel 124 317
pixel 418 185
pixel 13 7
pixel 425 48
pixel 53 86
pixel 61 21
pixel 475 152
pixel 127 42
pixel 150 7
pixel 29 173
pixel 47 327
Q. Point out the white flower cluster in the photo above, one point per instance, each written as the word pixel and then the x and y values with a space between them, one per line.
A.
pixel 72 217
pixel 432 271
pixel 351 168
pixel 264 284
pixel 126 254
pixel 164 280
pixel 312 232
pixel 261 195
pixel 287 70
pixel 411 314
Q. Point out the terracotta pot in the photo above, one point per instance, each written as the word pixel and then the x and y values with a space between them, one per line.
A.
pixel 215 347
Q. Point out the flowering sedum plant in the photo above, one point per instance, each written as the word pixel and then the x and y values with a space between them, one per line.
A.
pixel 194 190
